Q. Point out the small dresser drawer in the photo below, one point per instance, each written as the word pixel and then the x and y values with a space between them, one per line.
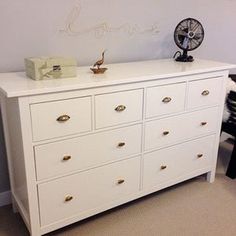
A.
pixel 87 151
pixel 167 131
pixel 60 118
pixel 171 163
pixel 165 99
pixel 204 92
pixel 76 194
pixel 118 108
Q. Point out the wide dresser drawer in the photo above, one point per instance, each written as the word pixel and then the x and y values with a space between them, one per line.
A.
pixel 165 99
pixel 118 108
pixel 87 151
pixel 173 162
pixel 79 193
pixel 60 118
pixel 204 92
pixel 171 130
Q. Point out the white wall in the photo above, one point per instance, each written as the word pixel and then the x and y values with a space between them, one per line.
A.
pixel 35 28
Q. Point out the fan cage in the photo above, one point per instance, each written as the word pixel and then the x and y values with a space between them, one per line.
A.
pixel 183 26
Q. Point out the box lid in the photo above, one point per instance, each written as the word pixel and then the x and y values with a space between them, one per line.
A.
pixel 52 61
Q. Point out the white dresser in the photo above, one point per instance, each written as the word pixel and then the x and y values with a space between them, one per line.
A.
pixel 80 146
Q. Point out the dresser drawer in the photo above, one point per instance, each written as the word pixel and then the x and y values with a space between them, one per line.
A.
pixel 167 131
pixel 76 194
pixel 204 92
pixel 87 151
pixel 60 118
pixel 118 108
pixel 165 99
pixel 171 163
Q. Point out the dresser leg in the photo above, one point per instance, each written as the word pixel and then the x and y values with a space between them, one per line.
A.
pixel 35 232
pixel 211 176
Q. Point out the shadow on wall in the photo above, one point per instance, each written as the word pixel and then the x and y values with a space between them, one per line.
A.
pixel 4 180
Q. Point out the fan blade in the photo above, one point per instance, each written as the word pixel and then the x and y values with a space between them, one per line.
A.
pixel 182 33
pixel 198 36
pixel 186 43
pixel 194 43
pixel 189 25
pixel 195 27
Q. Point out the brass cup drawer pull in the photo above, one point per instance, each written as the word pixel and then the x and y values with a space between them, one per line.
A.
pixel 66 158
pixel 205 92
pixel 166 133
pixel 121 144
pixel 120 108
pixel 163 167
pixel 203 123
pixel 166 99
pixel 199 155
pixel 63 118
pixel 68 198
pixel 120 181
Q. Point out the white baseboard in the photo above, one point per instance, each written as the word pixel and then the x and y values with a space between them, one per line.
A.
pixel 5 198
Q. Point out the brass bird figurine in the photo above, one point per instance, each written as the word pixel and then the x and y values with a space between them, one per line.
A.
pixel 99 70
pixel 100 62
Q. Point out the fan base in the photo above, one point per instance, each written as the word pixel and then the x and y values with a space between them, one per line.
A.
pixel 183 58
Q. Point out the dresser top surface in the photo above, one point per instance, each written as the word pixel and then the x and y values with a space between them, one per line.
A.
pixel 16 84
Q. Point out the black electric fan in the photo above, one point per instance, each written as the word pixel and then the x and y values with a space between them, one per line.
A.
pixel 188 35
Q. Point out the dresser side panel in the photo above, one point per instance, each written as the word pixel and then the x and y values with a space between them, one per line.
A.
pixel 222 95
pixel 19 189
pixel 29 163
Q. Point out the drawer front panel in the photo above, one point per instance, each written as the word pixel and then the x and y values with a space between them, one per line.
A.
pixel 60 118
pixel 88 190
pixel 204 92
pixel 165 99
pixel 118 108
pixel 167 131
pixel 169 163
pixel 86 151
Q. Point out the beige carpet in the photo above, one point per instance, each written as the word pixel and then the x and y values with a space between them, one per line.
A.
pixel 192 208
